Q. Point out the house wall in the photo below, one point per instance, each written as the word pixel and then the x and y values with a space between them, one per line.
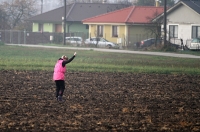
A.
pixel 107 32
pixel 136 33
pixel 93 30
pixel 77 28
pixel 184 32
pixel 128 35
pixel 121 33
pixel 184 14
pixel 47 27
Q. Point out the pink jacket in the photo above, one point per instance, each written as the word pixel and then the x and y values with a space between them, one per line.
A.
pixel 59 71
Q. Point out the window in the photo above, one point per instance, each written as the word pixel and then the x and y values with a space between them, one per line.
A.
pixel 87 26
pixel 114 31
pixel 100 30
pixel 40 27
pixel 196 40
pixel 195 31
pixel 173 31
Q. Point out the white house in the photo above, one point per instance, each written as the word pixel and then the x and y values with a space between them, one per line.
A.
pixel 183 21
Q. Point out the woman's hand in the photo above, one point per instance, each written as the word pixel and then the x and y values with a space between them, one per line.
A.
pixel 74 53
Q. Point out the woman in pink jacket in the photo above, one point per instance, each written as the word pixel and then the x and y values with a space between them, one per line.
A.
pixel 59 75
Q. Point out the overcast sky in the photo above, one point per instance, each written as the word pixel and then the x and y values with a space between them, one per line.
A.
pixel 52 4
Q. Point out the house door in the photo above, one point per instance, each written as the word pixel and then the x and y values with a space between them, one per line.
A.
pixel 58 28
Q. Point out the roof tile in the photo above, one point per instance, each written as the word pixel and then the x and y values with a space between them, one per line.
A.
pixel 133 14
pixel 76 12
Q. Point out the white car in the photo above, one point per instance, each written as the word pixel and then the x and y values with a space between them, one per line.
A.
pixel 74 40
pixel 195 44
pixel 101 42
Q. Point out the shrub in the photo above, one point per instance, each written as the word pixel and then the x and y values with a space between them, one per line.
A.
pixel 170 47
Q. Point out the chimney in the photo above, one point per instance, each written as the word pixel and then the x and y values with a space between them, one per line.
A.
pixel 157 3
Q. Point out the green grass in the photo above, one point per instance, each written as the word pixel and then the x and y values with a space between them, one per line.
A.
pixel 189 52
pixel 28 58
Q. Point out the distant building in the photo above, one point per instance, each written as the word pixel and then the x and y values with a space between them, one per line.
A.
pixel 131 1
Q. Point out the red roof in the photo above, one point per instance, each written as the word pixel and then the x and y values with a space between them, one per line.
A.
pixel 133 14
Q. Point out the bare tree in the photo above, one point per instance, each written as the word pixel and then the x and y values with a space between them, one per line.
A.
pixel 154 28
pixel 17 11
pixel 3 21
pixel 124 2
pixel 83 1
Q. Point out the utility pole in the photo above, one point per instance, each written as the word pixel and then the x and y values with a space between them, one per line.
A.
pixel 64 26
pixel 41 6
pixel 165 22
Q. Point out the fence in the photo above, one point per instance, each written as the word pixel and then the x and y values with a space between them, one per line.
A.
pixel 178 42
pixel 133 39
pixel 25 37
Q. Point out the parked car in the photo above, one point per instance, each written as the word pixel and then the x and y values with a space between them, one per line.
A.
pixel 148 42
pixel 101 42
pixel 194 45
pixel 74 40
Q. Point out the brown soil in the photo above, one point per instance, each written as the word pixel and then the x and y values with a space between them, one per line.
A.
pixel 99 102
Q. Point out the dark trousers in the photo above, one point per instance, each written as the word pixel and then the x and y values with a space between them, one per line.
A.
pixel 60 87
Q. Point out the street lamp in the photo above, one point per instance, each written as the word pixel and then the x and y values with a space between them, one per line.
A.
pixel 41 6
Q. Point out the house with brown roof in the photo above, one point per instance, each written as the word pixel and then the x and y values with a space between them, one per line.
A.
pixel 51 21
pixel 125 26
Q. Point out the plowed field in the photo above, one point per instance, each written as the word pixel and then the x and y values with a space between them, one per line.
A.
pixel 99 102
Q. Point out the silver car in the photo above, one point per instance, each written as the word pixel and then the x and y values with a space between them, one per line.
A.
pixel 195 44
pixel 101 42
pixel 74 40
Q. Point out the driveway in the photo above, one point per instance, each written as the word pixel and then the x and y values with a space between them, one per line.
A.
pixel 116 51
